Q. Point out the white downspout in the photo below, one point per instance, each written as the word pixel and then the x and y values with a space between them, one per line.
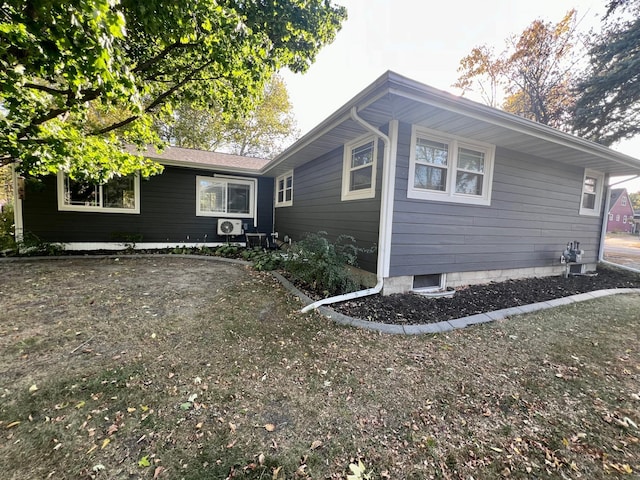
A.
pixel 383 229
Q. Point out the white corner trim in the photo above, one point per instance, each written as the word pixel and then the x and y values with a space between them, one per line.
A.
pixel 18 220
pixel 387 200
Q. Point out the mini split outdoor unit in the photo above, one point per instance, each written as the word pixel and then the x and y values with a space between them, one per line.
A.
pixel 229 227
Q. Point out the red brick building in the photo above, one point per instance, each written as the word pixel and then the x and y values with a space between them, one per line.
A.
pixel 620 211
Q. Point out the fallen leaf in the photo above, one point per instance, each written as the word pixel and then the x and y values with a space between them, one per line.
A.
pixel 232 427
pixel 105 442
pixel 92 449
pixel 199 425
pixel 112 429
pixel 496 449
pixel 12 424
pixel 261 459
pixel 131 409
pixel 144 462
pixel 158 472
pixel 80 404
pixel 316 444
pixel 269 427
pixel 33 388
pixel 276 472
pixel 232 443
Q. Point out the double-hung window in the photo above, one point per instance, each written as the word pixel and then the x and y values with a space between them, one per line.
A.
pixel 117 195
pixel 592 186
pixel 449 169
pixel 225 197
pixel 359 169
pixel 284 189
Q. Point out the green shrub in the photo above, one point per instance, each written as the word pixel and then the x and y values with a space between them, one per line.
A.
pixel 229 251
pixel 7 238
pixel 31 246
pixel 322 264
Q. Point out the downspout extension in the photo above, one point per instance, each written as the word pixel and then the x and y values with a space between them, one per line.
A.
pixel 386 171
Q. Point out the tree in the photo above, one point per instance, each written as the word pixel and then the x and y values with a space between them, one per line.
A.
pixel 259 133
pixel 533 74
pixel 635 201
pixel 608 107
pixel 80 78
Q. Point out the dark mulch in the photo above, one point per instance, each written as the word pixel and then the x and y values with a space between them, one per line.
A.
pixel 416 309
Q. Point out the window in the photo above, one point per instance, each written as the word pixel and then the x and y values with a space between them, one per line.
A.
pixel 225 197
pixel 624 219
pixel 118 195
pixel 618 218
pixel 449 169
pixel 359 169
pixel 623 201
pixel 611 217
pixel 284 190
pixel 592 193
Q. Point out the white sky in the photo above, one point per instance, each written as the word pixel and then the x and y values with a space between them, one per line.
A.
pixel 423 40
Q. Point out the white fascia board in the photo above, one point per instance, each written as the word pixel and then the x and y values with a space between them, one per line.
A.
pixel 200 166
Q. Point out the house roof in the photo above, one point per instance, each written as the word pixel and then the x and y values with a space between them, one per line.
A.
pixel 393 96
pixel 187 157
pixel 615 194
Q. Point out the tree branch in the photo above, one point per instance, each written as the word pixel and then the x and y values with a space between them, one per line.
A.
pixel 161 98
pixel 44 88
pixel 144 66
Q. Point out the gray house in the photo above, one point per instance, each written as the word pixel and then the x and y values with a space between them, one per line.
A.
pixel 449 191
pixel 452 192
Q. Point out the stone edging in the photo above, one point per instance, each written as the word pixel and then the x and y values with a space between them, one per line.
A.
pixel 449 325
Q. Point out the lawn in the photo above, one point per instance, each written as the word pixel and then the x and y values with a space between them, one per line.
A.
pixel 169 367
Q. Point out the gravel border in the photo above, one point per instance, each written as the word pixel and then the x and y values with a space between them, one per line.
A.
pixel 449 325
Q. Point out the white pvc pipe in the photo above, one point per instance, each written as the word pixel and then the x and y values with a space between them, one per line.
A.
pixel 382 244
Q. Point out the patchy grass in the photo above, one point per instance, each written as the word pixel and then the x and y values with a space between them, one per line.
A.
pixel 182 368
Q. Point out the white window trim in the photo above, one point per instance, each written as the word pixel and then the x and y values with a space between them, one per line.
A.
pixel 347 193
pixel 623 201
pixel 454 143
pixel 64 207
pixel 284 203
pixel 594 212
pixel 611 217
pixel 624 219
pixel 253 192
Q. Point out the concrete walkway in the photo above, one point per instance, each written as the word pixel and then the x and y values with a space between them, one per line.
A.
pixel 449 325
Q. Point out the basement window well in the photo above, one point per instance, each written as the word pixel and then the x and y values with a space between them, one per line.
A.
pixel 429 283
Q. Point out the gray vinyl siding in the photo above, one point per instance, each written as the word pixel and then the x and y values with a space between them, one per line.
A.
pixel 317 206
pixel 167 213
pixel 534 212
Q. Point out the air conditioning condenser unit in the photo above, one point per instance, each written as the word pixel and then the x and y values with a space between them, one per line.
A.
pixel 229 226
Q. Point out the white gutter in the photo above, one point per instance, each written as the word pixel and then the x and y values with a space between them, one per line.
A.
pixel 384 230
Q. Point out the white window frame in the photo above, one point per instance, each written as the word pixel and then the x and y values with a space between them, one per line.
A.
pixel 599 176
pixel 611 217
pixel 617 217
pixel 283 178
pixel 624 219
pixel 347 193
pixel 623 201
pixel 68 207
pixel 454 143
pixel 253 188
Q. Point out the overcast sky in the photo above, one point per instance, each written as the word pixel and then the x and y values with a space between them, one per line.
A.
pixel 423 40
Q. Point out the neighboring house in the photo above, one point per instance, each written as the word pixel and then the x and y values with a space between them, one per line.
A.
pixel 620 216
pixel 449 191
pixel 182 206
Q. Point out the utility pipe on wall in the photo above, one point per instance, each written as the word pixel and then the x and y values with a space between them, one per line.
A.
pixel 383 224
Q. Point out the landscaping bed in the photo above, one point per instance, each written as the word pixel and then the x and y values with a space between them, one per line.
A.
pixel 408 309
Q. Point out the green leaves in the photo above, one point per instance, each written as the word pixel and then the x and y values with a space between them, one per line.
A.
pixel 59 61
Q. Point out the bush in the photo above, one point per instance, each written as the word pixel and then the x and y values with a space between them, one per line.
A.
pixel 7 239
pixel 322 264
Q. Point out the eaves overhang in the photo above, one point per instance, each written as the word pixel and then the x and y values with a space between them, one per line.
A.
pixel 393 96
